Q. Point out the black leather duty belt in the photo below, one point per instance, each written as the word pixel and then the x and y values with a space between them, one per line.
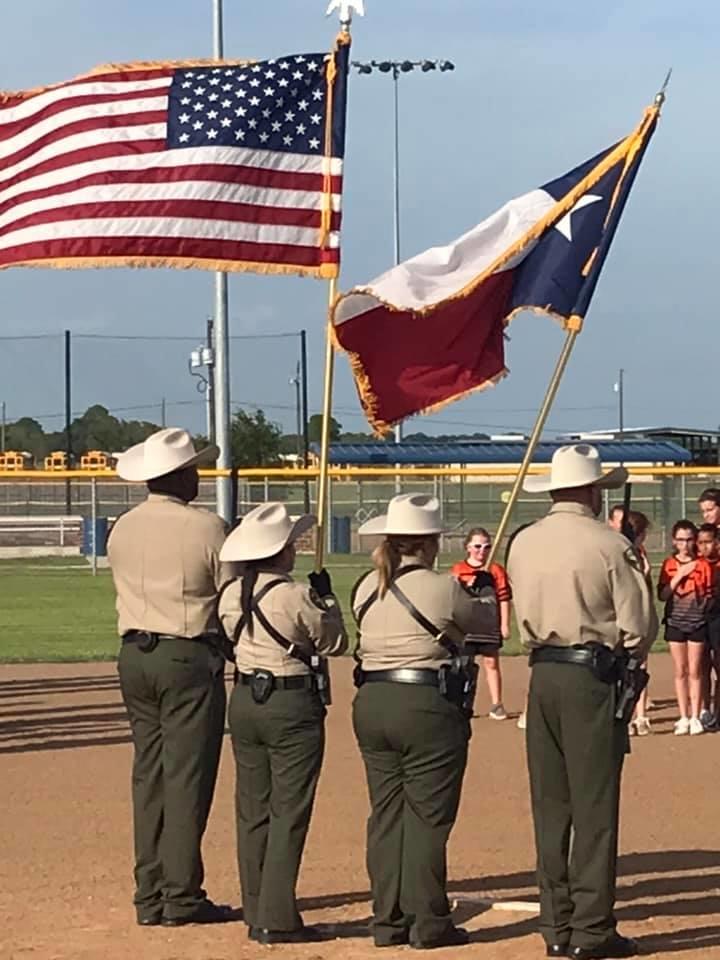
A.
pixel 428 678
pixel 137 636
pixel 304 682
pixel 584 656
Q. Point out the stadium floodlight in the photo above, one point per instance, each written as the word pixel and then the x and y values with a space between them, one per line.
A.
pixel 446 65
pixel 428 65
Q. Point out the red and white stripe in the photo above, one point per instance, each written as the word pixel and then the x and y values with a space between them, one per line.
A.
pixel 85 174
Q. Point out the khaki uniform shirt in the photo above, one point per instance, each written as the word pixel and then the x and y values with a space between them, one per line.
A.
pixel 164 556
pixel 315 626
pixel 576 581
pixel 390 638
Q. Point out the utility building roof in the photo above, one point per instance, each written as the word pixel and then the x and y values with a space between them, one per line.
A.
pixel 637 452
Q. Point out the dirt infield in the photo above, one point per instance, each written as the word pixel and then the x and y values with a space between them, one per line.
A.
pixel 65 865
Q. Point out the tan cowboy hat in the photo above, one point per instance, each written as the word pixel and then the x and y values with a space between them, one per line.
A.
pixel 162 453
pixel 409 514
pixel 264 532
pixel 576 465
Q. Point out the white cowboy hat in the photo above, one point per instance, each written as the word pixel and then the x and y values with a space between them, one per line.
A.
pixel 409 514
pixel 162 453
pixel 264 532
pixel 576 465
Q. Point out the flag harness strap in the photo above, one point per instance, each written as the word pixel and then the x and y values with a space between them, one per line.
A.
pixel 292 649
pixel 406 602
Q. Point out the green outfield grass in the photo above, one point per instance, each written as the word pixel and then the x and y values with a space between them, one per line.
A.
pixel 53 609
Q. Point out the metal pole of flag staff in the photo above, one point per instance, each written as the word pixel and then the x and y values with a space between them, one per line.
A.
pixel 345 9
pixel 573 325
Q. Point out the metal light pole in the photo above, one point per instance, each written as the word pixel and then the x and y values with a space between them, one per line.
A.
pixel 620 391
pixel 2 427
pixel 222 342
pixel 203 357
pixel 297 383
pixel 395 68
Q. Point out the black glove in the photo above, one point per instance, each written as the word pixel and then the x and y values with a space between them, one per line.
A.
pixel 320 582
pixel 482 579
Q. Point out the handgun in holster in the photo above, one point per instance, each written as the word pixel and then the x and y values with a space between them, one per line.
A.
pixel 633 680
pixel 457 682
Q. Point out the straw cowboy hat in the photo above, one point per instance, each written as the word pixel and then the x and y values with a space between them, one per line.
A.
pixel 263 533
pixel 162 453
pixel 576 465
pixel 409 514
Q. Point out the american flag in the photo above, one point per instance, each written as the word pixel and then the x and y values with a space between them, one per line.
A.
pixel 222 166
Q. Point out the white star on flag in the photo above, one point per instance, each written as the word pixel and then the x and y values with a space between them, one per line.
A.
pixel 564 225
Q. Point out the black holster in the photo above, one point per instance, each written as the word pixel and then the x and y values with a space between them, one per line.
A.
pixel 630 685
pixel 605 664
pixel 262 685
pixel 321 671
pixel 457 682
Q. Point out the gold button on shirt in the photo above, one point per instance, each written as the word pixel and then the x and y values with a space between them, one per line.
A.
pixel 576 581
pixel 164 556
pixel 314 625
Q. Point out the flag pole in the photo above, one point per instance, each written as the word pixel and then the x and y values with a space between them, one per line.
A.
pixel 573 326
pixel 323 479
pixel 345 10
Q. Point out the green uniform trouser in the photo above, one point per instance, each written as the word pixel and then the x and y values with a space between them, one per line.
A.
pixel 575 753
pixel 278 748
pixel 414 744
pixel 175 699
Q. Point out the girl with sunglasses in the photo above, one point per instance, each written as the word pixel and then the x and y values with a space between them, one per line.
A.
pixel 686 588
pixel 477 545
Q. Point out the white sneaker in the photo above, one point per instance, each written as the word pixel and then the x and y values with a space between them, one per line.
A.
pixel 682 726
pixel 642 726
pixel 497 712
pixel 522 721
pixel 696 727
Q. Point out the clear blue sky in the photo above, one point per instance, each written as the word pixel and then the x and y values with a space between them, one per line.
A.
pixel 538 89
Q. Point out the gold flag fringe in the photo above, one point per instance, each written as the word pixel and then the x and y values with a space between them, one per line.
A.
pixel 136 65
pixel 369 398
pixel 624 150
pixel 324 271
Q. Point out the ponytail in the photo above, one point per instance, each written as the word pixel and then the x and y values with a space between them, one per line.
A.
pixel 249 579
pixel 250 571
pixel 388 555
pixel 386 558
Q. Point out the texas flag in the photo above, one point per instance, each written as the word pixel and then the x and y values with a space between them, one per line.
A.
pixel 431 330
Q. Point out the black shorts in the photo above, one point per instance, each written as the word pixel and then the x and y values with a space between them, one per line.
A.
pixel 675 635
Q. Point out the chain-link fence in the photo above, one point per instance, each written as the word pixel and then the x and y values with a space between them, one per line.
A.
pixel 466 501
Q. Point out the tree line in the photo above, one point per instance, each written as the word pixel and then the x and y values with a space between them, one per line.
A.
pixel 256 440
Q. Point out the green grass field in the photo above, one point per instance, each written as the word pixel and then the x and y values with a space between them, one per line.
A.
pixel 53 609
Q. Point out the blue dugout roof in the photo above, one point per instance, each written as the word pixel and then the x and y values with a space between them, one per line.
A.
pixel 493 452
